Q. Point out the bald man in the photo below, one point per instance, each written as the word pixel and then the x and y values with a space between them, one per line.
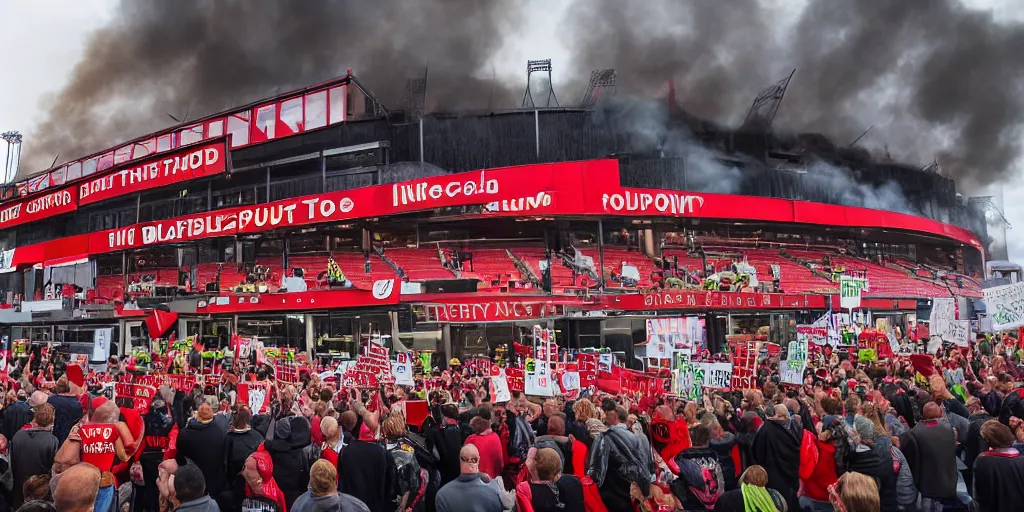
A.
pixel 77 489
pixel 332 440
pixel 472 491
pixel 930 449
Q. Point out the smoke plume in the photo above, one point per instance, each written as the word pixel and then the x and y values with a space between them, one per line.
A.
pixel 938 80
pixel 203 57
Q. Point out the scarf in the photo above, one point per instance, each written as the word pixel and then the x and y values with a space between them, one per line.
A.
pixel 757 499
pixel 269 489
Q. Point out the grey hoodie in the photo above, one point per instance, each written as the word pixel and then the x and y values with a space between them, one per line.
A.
pixel 204 504
pixel 333 503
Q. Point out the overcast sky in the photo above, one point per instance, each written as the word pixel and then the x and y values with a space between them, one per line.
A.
pixel 42 41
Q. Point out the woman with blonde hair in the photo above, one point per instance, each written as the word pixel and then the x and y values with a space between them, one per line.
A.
pixel 753 494
pixel 855 492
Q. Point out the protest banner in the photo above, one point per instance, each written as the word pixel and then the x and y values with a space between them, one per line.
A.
pixel 1005 306
pixel 850 289
pixel 136 396
pixel 791 369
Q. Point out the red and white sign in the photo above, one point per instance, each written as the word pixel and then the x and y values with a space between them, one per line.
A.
pixel 494 311
pixel 326 299
pixel 256 395
pixel 686 299
pixel 140 395
pixel 40 207
pixel 189 163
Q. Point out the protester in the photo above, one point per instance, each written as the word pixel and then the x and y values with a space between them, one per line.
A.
pixel 930 450
pixel 190 490
pixel 77 489
pixel 202 442
pixel 998 471
pixel 323 495
pixel 366 470
pixel 753 494
pixel 618 459
pixel 777 448
pixel 67 409
pixel 489 446
pixel 33 450
pixel 472 491
pixel 855 492
pixel 261 491
pixel 16 414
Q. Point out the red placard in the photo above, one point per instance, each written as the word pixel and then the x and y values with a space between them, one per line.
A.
pixel 140 395
pixel 40 207
pixel 188 163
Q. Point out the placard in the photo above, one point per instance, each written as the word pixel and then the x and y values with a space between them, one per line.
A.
pixel 499 389
pixel 894 344
pixel 402 373
pixel 139 395
pixel 1005 306
pixel 570 381
pixel 791 369
pixel 850 289
pixel 538 385
pixel 101 343
pixel 666 335
pixel 717 375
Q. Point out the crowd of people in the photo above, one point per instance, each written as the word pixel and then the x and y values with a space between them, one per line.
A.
pixel 925 432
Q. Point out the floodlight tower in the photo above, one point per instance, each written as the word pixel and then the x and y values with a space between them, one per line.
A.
pixel 13 155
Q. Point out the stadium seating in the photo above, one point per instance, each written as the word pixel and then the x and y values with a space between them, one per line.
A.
pixel 561 276
pixel 419 264
pixel 615 256
pixel 492 267
pixel 352 265
pixel 793 277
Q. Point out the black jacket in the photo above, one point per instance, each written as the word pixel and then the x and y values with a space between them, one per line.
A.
pixel 881 469
pixel 777 448
pixel 367 471
pixel 203 443
pixel 447 441
pixel 32 453
pixel 238 446
pixel 291 459
pixel 16 415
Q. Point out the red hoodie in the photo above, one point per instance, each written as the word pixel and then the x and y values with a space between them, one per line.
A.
pixel 489 446
pixel 817 466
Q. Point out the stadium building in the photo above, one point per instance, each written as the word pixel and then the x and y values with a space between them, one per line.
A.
pixel 320 218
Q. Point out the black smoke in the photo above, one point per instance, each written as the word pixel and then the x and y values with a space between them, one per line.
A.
pixel 202 57
pixel 938 80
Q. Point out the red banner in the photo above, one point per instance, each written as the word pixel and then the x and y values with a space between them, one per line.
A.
pixel 189 163
pixel 140 395
pixel 688 299
pixel 384 292
pixel 40 207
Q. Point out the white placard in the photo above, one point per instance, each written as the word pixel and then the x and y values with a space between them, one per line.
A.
pixel 943 323
pixel 257 398
pixel 101 343
pixel 665 335
pixel 570 381
pixel 894 344
pixel 499 389
pixel 538 385
pixel 605 361
pixel 1005 306
pixel 850 289
pixel 716 375
pixel 402 373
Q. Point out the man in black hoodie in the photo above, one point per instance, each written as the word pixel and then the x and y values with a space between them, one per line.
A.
pixel 876 463
pixel 202 442
pixel 159 424
pixel 777 448
pixel 366 470
pixel 701 480
pixel 16 415
pixel 447 439
pixel 291 459
pixel 240 442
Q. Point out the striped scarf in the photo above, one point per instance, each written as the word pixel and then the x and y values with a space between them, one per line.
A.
pixel 757 499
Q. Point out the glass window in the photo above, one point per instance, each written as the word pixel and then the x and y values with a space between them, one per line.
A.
pixel 265 120
pixel 144 148
pixel 106 162
pixel 74 171
pixel 215 129
pixel 122 154
pixel 191 135
pixel 337 108
pixel 291 114
pixel 163 143
pixel 89 166
pixel 316 110
pixel 238 128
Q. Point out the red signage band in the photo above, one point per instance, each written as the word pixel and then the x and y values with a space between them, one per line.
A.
pixel 385 292
pixel 494 311
pixel 697 299
pixel 189 163
pixel 37 208
pixel 587 188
